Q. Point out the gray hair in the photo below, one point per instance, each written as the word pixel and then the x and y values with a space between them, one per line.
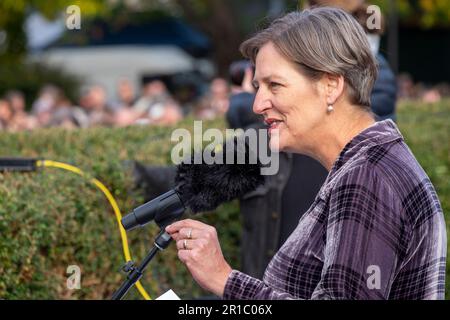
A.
pixel 319 41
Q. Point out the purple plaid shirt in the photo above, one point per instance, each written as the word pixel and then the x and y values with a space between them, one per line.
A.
pixel 375 231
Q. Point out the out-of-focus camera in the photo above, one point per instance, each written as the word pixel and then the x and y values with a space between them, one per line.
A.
pixel 237 71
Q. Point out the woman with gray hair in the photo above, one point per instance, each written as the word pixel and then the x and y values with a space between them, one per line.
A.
pixel 376 228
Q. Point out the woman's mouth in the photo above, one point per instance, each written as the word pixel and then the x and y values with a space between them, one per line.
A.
pixel 272 123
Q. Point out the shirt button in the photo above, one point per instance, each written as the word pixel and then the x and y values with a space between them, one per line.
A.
pixel 270 253
pixel 275 215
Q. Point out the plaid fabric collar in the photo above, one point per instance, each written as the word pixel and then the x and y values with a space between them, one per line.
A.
pixel 379 133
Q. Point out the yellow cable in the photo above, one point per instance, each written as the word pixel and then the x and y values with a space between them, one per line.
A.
pixel 112 201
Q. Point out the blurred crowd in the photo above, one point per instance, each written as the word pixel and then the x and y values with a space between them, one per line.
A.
pixel 154 105
pixel 410 90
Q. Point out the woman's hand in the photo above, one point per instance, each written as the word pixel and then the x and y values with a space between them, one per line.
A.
pixel 199 249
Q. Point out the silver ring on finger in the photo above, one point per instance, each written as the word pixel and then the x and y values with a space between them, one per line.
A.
pixel 189 235
pixel 185 244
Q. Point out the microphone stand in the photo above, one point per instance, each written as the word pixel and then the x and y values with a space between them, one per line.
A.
pixel 135 273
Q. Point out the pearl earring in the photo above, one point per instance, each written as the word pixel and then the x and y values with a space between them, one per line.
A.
pixel 330 108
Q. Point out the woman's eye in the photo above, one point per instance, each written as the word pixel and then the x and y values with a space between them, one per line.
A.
pixel 274 85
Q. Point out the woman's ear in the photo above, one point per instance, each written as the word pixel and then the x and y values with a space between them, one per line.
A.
pixel 334 87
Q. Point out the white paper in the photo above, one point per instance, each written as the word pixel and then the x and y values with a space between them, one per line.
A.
pixel 169 295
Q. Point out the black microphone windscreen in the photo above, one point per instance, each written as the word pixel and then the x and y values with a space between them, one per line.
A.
pixel 203 187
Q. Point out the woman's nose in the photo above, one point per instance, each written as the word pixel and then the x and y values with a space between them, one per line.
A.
pixel 261 104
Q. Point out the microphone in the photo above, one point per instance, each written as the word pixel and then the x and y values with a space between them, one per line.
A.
pixel 202 187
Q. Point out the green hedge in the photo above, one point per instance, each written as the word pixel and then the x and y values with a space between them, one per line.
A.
pixel 52 219
pixel 426 129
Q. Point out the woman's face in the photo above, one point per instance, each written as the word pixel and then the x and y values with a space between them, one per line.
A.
pixel 292 105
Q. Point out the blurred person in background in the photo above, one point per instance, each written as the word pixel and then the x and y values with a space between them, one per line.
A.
pixel 431 95
pixel 94 104
pixel 216 102
pixel 53 109
pixel 16 100
pixel 125 117
pixel 45 104
pixel 240 113
pixel 69 116
pixel 156 106
pixel 406 87
pixel 125 96
pixel 6 114
pixel 46 99
pixel 20 120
